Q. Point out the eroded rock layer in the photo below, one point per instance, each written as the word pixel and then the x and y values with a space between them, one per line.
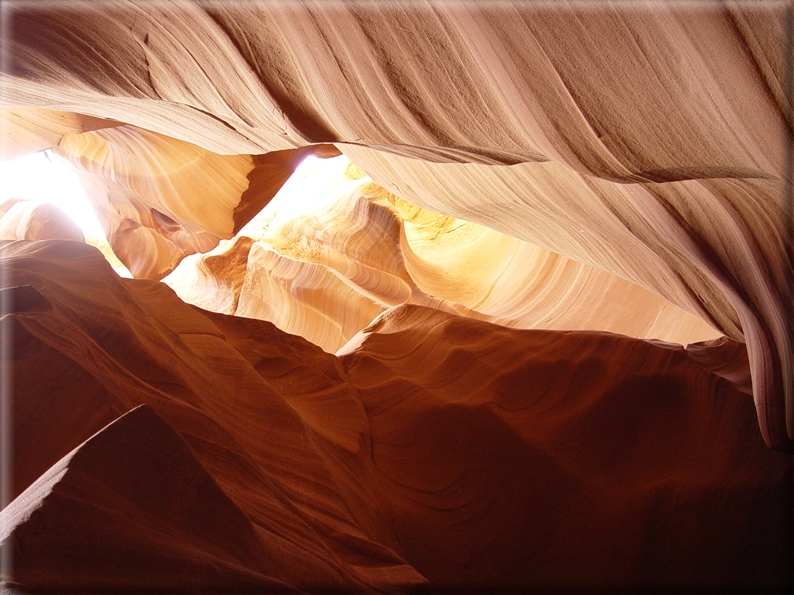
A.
pixel 334 249
pixel 159 446
pixel 606 182
pixel 514 458
pixel 645 141
pixel 27 220
pixel 291 459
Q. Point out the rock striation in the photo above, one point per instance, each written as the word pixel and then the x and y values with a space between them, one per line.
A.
pixel 658 131
pixel 167 447
pixel 538 335
pixel 333 250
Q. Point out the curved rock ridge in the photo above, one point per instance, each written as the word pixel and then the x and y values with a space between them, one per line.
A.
pixel 714 247
pixel 333 250
pixel 160 199
pixel 566 461
pixel 521 285
pixel 25 130
pixel 320 261
pixel 291 458
pixel 157 198
pixel 22 219
pixel 626 93
pixel 135 499
pixel 221 454
pixel 646 141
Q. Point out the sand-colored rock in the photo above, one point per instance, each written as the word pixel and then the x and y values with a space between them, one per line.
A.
pixel 659 131
pixel 630 93
pixel 334 250
pixel 671 238
pixel 565 460
pixel 565 167
pixel 160 199
pixel 295 459
pixel 321 268
pixel 160 446
pixel 521 285
pixel 25 130
pixel 147 188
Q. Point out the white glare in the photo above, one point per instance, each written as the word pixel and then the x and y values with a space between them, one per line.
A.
pixel 315 185
pixel 44 177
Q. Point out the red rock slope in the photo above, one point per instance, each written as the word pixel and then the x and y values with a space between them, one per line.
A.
pixel 158 446
pixel 285 463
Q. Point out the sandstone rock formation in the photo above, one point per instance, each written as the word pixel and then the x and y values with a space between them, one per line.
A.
pixel 567 221
pixel 333 250
pixel 165 447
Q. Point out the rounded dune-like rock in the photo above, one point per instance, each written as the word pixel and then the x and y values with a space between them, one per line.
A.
pixel 112 344
pixel 132 508
pixel 713 247
pixel 434 448
pixel 529 459
pixel 334 250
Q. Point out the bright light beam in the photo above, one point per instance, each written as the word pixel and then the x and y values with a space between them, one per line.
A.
pixel 46 177
pixel 40 178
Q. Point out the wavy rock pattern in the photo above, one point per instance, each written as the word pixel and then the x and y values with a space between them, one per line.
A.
pixel 334 251
pixel 603 159
pixel 586 89
pixel 292 455
pixel 160 199
pixel 322 270
pixel 221 454
pixel 659 132
pixel 565 461
pixel 148 536
pixel 521 285
pixel 25 130
pixel 145 189
pixel 671 238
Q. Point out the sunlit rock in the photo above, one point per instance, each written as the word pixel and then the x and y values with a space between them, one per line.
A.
pixel 160 199
pixel 612 176
pixel 334 249
pixel 25 130
pixel 28 220
pixel 321 261
pixel 146 188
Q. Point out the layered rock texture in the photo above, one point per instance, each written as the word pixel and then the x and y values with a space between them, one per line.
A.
pixel 164 447
pixel 533 330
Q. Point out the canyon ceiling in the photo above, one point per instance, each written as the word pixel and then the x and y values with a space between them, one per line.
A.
pixel 426 295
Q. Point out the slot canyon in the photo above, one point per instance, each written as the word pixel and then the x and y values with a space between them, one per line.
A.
pixel 423 297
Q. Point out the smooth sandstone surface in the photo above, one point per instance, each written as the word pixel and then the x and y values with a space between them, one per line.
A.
pixel 163 446
pixel 26 130
pixel 295 459
pixel 659 131
pixel 332 250
pixel 538 336
pixel 602 495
